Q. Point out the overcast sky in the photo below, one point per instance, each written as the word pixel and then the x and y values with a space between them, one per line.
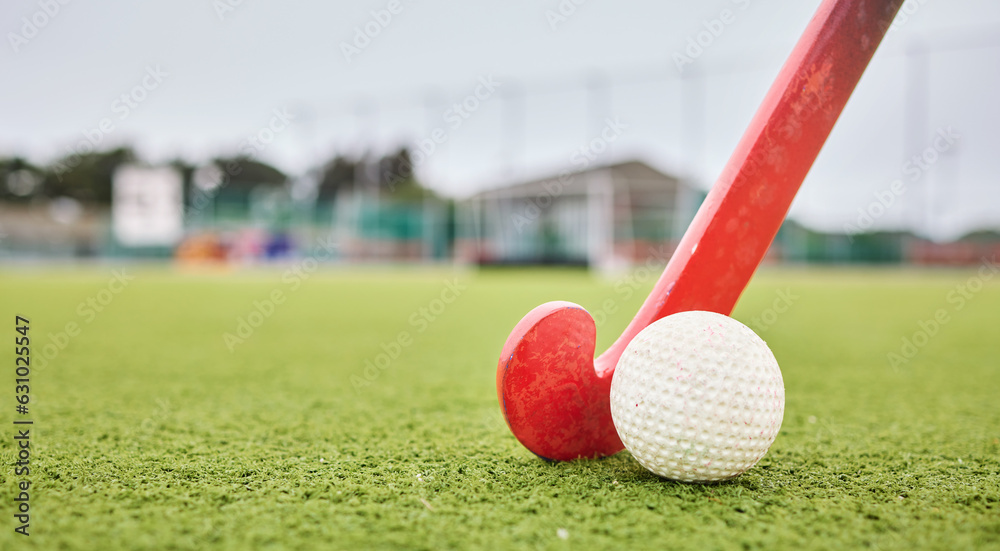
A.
pixel 199 77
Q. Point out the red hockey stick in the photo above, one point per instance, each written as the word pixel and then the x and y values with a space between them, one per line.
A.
pixel 553 393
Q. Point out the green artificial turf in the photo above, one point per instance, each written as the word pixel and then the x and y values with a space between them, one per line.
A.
pixel 151 434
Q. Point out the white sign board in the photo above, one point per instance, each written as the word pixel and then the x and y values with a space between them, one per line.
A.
pixel 147 206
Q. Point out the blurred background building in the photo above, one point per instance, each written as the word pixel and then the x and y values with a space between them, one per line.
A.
pixel 603 215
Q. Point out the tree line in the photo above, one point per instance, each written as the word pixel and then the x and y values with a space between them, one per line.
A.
pixel 87 177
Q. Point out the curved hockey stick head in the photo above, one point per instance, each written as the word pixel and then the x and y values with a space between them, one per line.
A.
pixel 552 397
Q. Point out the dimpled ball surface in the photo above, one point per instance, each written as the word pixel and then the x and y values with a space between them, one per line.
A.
pixel 697 397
